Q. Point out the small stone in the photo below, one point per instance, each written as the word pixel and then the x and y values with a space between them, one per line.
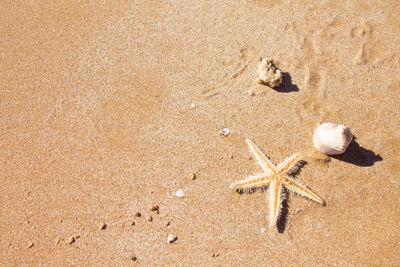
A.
pixel 193 176
pixel 133 258
pixel 251 92
pixel 171 238
pixel 180 193
pixel 225 132
pixel 192 105
pixel 149 218
pixel 31 244
pixel 214 255
pixel 133 223
pixel 155 208
pixel 268 73
pixel 168 223
pixel 71 240
pixel 57 241
pixel 263 229
pixel 137 214
pixel 103 226
pixel 230 155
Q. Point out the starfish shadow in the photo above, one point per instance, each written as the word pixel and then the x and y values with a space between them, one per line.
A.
pixel 286 86
pixel 297 168
pixel 357 155
pixel 281 223
pixel 252 190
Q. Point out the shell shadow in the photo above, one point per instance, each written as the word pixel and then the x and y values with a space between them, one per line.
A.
pixel 358 155
pixel 286 86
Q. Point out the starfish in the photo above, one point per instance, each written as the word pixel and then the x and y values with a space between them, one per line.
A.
pixel 275 177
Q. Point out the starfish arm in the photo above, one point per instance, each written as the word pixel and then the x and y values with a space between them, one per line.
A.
pixel 295 186
pixel 289 163
pixel 275 198
pixel 257 180
pixel 264 162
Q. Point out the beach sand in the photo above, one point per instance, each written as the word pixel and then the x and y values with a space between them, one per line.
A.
pixel 97 123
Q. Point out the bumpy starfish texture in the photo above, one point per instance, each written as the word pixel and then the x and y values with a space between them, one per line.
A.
pixel 275 177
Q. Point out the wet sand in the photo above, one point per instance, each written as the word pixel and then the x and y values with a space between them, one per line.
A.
pixel 97 124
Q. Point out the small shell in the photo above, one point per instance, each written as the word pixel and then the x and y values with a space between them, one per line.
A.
pixel 332 139
pixel 268 74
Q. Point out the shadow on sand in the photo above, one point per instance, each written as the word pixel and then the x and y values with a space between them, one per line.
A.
pixel 357 155
pixel 286 86
pixel 281 223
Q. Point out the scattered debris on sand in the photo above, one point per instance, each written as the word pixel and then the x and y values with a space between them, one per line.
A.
pixel 155 209
pixel 103 226
pixel 225 132
pixel 171 238
pixel 268 74
pixel 71 240
pixel 251 92
pixel 180 193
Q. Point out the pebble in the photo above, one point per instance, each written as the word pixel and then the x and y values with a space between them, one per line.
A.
pixel 225 132
pixel 133 258
pixel 214 255
pixel 31 244
pixel 155 208
pixel 171 238
pixel 192 105
pixel 103 226
pixel 194 176
pixel 168 223
pixel 137 214
pixel 263 229
pixel 180 193
pixel 149 218
pixel 71 240
pixel 133 223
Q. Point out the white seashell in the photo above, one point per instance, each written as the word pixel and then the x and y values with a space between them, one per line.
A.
pixel 332 139
pixel 180 193
pixel 171 238
pixel 225 132
pixel 268 74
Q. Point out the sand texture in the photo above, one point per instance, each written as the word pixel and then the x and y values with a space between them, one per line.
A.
pixel 109 107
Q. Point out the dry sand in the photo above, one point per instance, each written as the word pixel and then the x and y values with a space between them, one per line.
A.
pixel 96 125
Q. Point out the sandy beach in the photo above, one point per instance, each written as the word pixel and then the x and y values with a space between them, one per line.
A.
pixel 108 108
